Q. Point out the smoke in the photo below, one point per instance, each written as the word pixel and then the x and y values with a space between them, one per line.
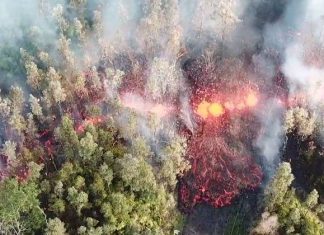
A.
pixel 303 63
pixel 18 18
pixel 266 35
pixel 270 139
pixel 20 23
pixel 295 38
pixel 157 29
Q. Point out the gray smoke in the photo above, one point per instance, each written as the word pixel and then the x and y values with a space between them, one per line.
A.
pixel 270 139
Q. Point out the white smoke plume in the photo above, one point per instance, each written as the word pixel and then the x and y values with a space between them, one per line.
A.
pixel 303 56
pixel 271 137
pixel 161 29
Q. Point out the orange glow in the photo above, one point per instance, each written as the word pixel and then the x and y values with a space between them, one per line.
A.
pixel 229 105
pixel 251 100
pixel 240 106
pixel 216 109
pixel 205 108
pixel 202 109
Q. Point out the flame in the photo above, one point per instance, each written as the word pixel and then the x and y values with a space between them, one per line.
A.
pixel 203 109
pixel 216 109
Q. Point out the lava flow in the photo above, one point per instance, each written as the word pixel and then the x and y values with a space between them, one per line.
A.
pixel 221 165
pixel 207 109
pixel 214 109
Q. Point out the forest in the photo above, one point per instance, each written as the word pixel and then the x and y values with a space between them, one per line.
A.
pixel 161 117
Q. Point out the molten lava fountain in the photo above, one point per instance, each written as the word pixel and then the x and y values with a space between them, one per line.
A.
pixel 219 169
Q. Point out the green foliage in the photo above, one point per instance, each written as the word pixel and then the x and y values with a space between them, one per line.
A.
pixel 295 216
pixel 20 207
pixel 277 189
pixel 136 173
pixel 55 227
pixel 312 199
pixel 173 163
pixel 87 147
pixel 102 182
pixel 86 178
pixel 68 137
pixel 78 199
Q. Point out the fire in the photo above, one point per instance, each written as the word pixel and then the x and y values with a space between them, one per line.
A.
pixel 214 109
pixel 203 109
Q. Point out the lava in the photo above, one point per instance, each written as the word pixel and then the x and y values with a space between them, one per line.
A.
pixel 251 100
pixel 218 172
pixel 216 109
pixel 202 109
pixel 207 109
pixel 221 159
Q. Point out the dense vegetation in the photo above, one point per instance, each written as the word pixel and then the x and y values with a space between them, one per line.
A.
pixel 67 166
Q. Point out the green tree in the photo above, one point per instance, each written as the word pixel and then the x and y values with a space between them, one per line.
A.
pixel 278 187
pixel 294 215
pixel 55 227
pixel 20 210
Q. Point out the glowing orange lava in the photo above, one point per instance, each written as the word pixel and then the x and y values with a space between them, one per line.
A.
pixel 216 109
pixel 202 109
pixel 251 100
